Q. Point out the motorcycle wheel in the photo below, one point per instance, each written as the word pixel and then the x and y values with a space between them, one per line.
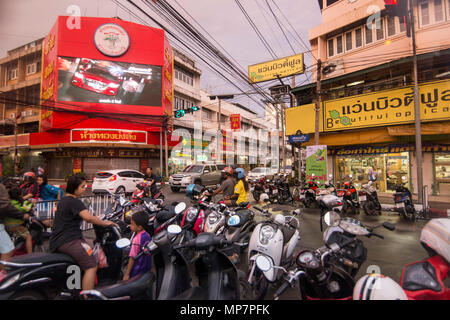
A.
pixel 369 208
pixel 256 195
pixel 28 295
pixel 259 284
pixel 349 210
pixel 309 201
pixel 410 212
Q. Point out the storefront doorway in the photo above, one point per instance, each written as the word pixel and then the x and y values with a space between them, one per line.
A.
pixel 442 173
pixel 93 165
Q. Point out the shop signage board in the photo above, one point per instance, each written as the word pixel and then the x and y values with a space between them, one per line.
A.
pixel 362 150
pixel 108 135
pixel 235 121
pixel 106 153
pixel 390 107
pixel 316 162
pixel 269 70
pixel 299 138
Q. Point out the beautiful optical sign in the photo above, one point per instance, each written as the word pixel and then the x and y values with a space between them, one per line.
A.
pixel 111 40
pixel 108 135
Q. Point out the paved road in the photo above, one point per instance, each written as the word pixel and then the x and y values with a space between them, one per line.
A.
pixel 391 254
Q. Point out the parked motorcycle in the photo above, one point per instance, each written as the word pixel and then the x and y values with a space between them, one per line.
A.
pixel 239 226
pixel 368 199
pixel 172 271
pixel 328 272
pixel 403 202
pixel 308 193
pixel 143 190
pixel 39 276
pixel 350 198
pixel 284 193
pixel 276 239
pixel 258 187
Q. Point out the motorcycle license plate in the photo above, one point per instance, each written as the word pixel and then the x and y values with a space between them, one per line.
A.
pixel 275 191
pixel 266 190
pixel 362 198
pixel 400 205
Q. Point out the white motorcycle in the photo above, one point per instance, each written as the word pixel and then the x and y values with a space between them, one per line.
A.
pixel 276 239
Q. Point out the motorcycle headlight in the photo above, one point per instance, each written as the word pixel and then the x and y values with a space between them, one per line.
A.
pixel 213 218
pixel 266 233
pixel 234 220
pixel 192 214
pixel 10 281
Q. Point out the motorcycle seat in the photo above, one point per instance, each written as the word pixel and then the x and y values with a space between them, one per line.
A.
pixel 243 204
pixel 43 257
pixel 195 293
pixel 128 287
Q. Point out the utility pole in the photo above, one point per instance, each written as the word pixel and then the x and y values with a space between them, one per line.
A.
pixel 219 116
pixel 283 121
pixel 318 102
pixel 418 127
pixel 166 147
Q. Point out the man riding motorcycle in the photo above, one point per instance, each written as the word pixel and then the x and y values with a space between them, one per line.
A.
pixel 227 186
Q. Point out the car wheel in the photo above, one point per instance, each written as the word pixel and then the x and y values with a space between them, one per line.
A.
pixel 175 189
pixel 120 189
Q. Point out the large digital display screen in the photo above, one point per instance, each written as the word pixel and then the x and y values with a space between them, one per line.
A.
pixel 110 82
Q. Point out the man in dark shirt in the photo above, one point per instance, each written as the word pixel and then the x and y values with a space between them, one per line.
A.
pixel 151 178
pixel 227 186
pixel 66 236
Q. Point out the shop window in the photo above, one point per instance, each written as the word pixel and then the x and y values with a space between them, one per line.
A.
pixel 358 38
pixel 368 35
pixel 330 47
pixel 438 10
pixel 388 168
pixel 442 173
pixel 380 30
pixel 339 47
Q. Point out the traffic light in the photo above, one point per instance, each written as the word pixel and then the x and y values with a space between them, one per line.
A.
pixel 399 8
pixel 181 112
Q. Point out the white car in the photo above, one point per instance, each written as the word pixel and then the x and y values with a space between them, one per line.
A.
pixel 260 172
pixel 116 181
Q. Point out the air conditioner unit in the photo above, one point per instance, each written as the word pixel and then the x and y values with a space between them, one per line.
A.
pixel 333 68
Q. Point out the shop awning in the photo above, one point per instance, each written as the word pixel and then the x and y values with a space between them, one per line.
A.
pixel 427 129
pixel 354 138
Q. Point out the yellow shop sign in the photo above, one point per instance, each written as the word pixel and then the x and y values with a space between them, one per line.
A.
pixel 281 67
pixel 387 107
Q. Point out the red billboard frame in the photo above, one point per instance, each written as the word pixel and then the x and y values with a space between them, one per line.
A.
pixel 147 46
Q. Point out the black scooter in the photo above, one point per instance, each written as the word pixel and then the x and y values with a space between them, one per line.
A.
pixel 39 276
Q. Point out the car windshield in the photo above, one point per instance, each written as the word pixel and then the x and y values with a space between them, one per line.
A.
pixel 101 73
pixel 195 169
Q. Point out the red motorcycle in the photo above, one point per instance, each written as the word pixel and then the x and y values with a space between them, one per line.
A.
pixel 143 190
pixel 426 280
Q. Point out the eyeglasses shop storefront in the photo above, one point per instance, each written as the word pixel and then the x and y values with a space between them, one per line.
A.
pixel 392 165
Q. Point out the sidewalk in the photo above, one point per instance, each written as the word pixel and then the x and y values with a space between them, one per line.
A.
pixel 438 209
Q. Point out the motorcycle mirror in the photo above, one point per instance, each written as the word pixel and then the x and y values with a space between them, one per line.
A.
pixel 174 229
pixel 179 208
pixel 297 212
pixel 389 226
pixel 263 263
pixel 332 219
pixel 123 243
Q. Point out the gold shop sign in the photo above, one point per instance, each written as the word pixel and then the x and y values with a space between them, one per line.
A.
pixel 388 107
pixel 283 67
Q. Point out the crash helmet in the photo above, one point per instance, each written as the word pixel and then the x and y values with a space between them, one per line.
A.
pixel 435 237
pixel 376 286
pixel 240 173
pixel 228 170
pixel 29 176
pixel 264 197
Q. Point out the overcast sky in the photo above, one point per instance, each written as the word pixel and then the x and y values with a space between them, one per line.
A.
pixel 22 21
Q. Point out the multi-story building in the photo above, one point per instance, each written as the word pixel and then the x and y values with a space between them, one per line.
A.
pixel 367 105
pixel 20 104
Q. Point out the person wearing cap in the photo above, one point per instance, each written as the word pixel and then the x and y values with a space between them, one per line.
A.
pixel 240 190
pixel 29 188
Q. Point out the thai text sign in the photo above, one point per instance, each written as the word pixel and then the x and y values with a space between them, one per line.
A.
pixel 235 121
pixel 388 107
pixel 316 163
pixel 108 135
pixel 281 67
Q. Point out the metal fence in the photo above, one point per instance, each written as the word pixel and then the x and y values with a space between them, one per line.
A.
pixel 95 204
